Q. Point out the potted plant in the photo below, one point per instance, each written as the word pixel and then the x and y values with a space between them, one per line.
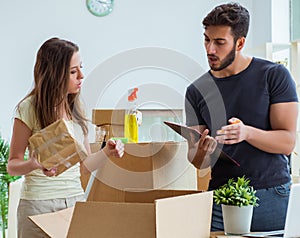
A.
pixel 5 180
pixel 237 199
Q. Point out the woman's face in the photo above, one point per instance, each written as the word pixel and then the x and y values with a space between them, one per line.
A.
pixel 76 74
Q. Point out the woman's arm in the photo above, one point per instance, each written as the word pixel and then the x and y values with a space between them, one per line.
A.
pixel 97 160
pixel 19 142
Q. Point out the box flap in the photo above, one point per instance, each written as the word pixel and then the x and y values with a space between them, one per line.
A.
pixel 145 166
pixel 111 220
pixel 101 192
pixel 151 196
pixel 55 224
pixel 180 216
pixel 187 216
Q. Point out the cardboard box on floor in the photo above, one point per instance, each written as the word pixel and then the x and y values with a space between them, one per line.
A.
pixel 153 214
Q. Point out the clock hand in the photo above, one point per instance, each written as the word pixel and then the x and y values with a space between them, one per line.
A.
pixel 102 2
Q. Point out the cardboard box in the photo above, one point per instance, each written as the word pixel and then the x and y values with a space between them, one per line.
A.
pixel 155 214
pixel 144 166
pixel 108 117
pixel 112 121
pixel 159 171
pixel 109 131
pixel 56 146
pixel 150 192
pixel 203 178
pixel 109 120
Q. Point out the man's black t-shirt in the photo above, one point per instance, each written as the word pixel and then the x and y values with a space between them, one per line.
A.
pixel 248 95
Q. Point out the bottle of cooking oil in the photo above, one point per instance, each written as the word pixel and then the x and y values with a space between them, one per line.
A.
pixel 130 123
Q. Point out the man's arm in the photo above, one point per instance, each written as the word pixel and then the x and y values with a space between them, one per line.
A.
pixel 281 139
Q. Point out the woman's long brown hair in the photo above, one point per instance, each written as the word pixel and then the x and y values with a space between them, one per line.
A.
pixel 51 81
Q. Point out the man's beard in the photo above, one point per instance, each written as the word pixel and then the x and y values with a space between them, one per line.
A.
pixel 227 61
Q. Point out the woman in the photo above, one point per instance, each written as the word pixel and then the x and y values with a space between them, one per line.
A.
pixel 57 83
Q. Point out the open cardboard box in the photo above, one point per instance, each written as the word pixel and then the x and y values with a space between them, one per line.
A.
pixel 112 121
pixel 185 181
pixel 144 166
pixel 152 214
pixel 148 193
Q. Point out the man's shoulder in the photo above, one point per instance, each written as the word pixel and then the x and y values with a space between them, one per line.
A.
pixel 203 78
pixel 263 62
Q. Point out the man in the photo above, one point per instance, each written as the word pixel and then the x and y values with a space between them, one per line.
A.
pixel 249 106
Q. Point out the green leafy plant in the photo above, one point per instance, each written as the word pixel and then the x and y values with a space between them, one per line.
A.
pixel 236 193
pixel 5 180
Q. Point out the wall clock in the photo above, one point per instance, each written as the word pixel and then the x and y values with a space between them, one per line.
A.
pixel 100 8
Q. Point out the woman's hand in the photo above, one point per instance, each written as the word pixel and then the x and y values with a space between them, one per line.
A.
pixel 200 150
pixel 37 165
pixel 49 172
pixel 114 148
pixel 234 133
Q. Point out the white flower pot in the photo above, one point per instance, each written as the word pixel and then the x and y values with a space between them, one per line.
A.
pixel 237 220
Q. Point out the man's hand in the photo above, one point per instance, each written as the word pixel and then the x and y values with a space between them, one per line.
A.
pixel 231 134
pixel 199 151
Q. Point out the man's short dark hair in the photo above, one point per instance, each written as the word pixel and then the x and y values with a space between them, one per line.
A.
pixel 231 14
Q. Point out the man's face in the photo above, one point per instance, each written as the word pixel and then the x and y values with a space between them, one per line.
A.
pixel 220 47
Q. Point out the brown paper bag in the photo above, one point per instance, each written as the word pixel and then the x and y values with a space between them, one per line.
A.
pixel 57 147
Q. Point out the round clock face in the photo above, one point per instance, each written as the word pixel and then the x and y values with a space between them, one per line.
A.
pixel 100 7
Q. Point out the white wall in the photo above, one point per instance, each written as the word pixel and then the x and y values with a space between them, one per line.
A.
pixel 173 24
pixel 280 21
